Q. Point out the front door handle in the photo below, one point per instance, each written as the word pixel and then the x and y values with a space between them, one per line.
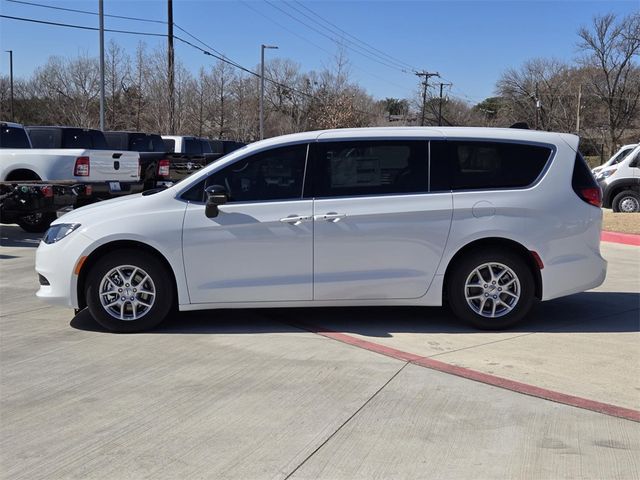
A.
pixel 295 219
pixel 331 217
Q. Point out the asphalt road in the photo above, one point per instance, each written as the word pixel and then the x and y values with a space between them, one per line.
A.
pixel 246 394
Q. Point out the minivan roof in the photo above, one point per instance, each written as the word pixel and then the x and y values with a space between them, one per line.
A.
pixel 433 132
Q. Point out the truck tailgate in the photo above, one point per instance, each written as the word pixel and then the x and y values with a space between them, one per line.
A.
pixel 109 165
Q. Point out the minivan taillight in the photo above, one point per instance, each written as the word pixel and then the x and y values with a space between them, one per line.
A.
pixel 163 168
pixel 592 195
pixel 82 167
pixel 584 184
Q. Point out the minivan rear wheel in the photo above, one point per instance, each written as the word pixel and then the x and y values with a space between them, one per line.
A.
pixel 129 291
pixel 492 289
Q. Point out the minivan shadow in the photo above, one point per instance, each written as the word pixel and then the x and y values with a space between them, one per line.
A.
pixel 589 312
pixel 14 236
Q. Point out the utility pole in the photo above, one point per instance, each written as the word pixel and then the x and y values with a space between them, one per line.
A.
pixel 101 14
pixel 537 99
pixel 170 73
pixel 425 84
pixel 578 111
pixel 262 48
pixel 440 104
pixel 11 83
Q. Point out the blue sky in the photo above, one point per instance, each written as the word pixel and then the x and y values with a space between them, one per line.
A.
pixel 470 43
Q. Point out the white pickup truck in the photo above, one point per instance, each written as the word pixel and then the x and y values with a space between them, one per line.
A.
pixel 68 154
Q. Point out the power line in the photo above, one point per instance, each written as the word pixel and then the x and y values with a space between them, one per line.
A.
pixel 206 52
pixel 249 6
pixel 340 31
pixel 87 12
pixel 81 27
pixel 378 60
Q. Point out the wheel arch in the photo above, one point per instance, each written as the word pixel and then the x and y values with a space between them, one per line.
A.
pixel 22 174
pixel 107 248
pixel 617 187
pixel 500 242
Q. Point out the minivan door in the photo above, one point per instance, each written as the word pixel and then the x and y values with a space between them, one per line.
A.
pixel 379 229
pixel 259 246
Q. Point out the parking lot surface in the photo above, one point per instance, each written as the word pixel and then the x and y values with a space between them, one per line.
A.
pixel 253 394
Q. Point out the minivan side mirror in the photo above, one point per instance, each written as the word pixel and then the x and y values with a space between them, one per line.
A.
pixel 216 195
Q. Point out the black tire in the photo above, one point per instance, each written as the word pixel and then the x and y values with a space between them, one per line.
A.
pixel 627 201
pixel 148 317
pixel 37 222
pixel 462 271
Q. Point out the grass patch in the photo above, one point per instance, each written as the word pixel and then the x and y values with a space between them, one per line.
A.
pixel 621 222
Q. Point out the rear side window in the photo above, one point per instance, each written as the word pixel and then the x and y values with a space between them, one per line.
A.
pixel 142 142
pixel 79 138
pixel 487 165
pixel 192 147
pixel 169 145
pixel 11 137
pixel 42 138
pixel 354 168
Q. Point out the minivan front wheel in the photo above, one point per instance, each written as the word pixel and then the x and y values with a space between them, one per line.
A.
pixel 491 290
pixel 129 291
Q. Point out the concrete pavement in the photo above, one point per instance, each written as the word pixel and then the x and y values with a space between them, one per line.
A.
pixel 243 394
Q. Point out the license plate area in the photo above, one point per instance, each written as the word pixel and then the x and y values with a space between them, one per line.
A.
pixel 114 187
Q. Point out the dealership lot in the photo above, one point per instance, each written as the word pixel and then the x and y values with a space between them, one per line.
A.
pixel 253 394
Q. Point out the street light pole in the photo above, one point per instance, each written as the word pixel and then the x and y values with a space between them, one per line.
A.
pixel 101 14
pixel 262 47
pixel 11 82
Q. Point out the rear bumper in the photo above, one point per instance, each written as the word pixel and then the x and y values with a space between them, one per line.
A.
pixel 114 189
pixel 575 274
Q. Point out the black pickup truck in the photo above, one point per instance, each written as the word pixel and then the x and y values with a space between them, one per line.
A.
pixel 189 154
pixel 154 163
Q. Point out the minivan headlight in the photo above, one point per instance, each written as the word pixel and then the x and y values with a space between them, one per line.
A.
pixel 59 231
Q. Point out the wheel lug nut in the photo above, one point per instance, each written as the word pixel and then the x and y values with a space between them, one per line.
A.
pixel 499 289
pixel 126 284
pixel 119 290
pixel 132 299
pixel 135 290
pixel 123 299
pixel 491 282
pixel 495 296
pixel 486 294
pixel 485 285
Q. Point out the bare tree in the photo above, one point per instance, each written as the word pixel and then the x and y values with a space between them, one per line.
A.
pixel 610 48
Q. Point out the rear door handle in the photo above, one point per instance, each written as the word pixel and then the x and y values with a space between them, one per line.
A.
pixel 295 219
pixel 331 217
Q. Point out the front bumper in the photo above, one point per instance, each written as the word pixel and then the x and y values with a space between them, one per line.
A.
pixel 56 262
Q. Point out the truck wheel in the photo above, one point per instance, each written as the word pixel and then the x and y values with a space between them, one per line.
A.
pixel 37 222
pixel 626 202
pixel 491 289
pixel 129 291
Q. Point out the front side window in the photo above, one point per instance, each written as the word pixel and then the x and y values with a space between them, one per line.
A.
pixel 479 165
pixel 11 137
pixel 276 174
pixel 352 168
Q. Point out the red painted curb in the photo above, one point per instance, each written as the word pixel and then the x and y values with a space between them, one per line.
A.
pixel 624 238
pixel 500 382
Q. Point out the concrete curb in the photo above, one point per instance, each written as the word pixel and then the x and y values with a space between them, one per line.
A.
pixel 623 238
pixel 500 382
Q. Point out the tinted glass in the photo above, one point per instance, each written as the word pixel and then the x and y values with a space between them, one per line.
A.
pixel 79 138
pixel 192 147
pixel 169 145
pixel 44 138
pixel 479 165
pixel 11 137
pixel 276 174
pixel 634 162
pixel 142 142
pixel 353 168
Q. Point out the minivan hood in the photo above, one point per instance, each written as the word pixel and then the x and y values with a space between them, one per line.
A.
pixel 104 209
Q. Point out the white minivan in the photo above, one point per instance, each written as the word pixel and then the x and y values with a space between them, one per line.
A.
pixel 488 220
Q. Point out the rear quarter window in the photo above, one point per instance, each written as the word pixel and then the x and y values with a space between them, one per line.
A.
pixel 490 165
pixel 11 137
